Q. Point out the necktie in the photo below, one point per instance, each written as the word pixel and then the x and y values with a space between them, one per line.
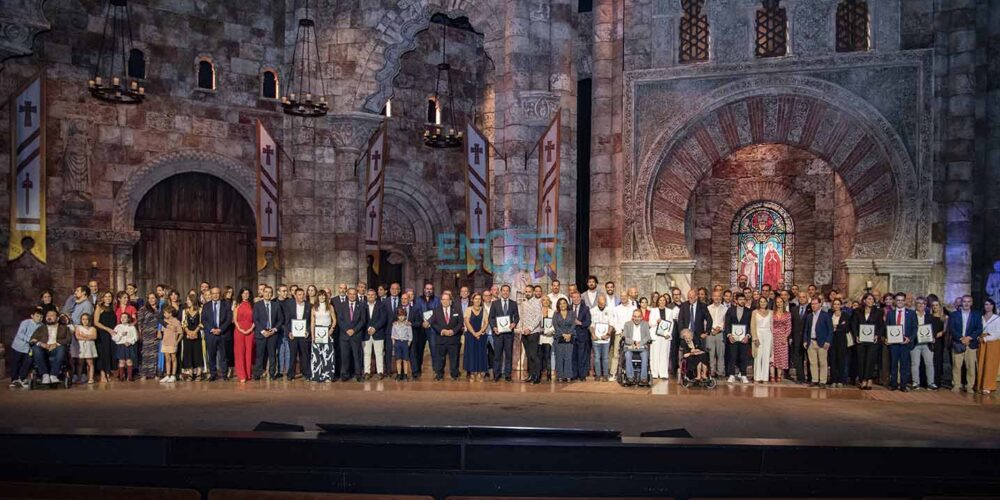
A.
pixel 693 312
pixel 505 306
pixel 268 306
pixel 394 306
pixel 216 314
pixel 899 318
pixel 447 317
pixel 351 316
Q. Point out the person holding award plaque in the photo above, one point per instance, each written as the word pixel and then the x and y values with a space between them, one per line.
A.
pixel 504 318
pixel 324 360
pixel 868 328
pixel 581 337
pixel 924 346
pixel 989 349
pixel 662 319
pixel 547 339
pixel 297 325
pixel 900 336
pixel 602 316
pixel 738 331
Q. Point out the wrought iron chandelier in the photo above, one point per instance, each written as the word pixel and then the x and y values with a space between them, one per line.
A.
pixel 111 80
pixel 440 134
pixel 306 95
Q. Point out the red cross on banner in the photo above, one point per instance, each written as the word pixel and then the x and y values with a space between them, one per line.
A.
pixel 268 198
pixel 27 170
pixel 377 159
pixel 549 152
pixel 477 200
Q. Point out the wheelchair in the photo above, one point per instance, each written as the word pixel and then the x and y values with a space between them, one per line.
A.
pixel 66 376
pixel 624 372
pixel 690 383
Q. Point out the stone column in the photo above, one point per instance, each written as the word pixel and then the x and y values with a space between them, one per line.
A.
pixel 889 275
pixel 349 134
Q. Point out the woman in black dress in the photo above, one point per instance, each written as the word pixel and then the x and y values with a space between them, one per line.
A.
pixel 106 323
pixel 872 317
pixel 838 345
pixel 191 346
pixel 694 353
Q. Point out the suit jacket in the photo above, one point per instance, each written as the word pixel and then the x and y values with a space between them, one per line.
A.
pixel 387 304
pixel 455 323
pixel 733 319
pixel 346 322
pixel 260 318
pixel 702 320
pixel 974 329
pixel 797 321
pixel 496 310
pixel 582 331
pixel 422 305
pixel 629 331
pixel 824 328
pixel 909 324
pixel 379 320
pixel 876 317
pixel 290 314
pixel 41 334
pixel 208 317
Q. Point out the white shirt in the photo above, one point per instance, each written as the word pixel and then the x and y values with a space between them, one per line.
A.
pixel 901 316
pixel 718 314
pixel 815 320
pixel 991 328
pixel 965 322
pixel 637 332
pixel 53 333
pixel 591 297
pixel 623 314
pixel 603 316
pixel 300 310
pixel 554 297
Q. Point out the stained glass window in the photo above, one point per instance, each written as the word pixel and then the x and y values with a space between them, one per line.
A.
pixel 693 32
pixel 852 26
pixel 762 245
pixel 772 29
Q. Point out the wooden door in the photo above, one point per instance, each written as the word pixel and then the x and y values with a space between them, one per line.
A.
pixel 195 227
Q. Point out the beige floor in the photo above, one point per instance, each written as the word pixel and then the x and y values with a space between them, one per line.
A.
pixel 763 411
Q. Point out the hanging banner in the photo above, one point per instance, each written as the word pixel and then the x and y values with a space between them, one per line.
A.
pixel 377 157
pixel 549 149
pixel 477 199
pixel 268 208
pixel 27 176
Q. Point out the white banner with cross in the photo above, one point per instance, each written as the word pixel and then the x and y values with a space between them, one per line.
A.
pixel 268 196
pixel 477 198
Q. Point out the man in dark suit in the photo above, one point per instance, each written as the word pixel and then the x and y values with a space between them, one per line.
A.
pixel 216 317
pixel 503 342
pixel 423 334
pixel 796 354
pixel 899 354
pixel 817 333
pixel 391 303
pixel 340 299
pixel 351 316
pixel 447 321
pixel 298 322
pixel 738 353
pixel 965 326
pixel 694 316
pixel 377 315
pixel 267 321
pixel 581 337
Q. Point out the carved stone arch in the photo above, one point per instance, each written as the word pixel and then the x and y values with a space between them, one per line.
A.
pixel 424 204
pixel 239 176
pixel 381 63
pixel 811 114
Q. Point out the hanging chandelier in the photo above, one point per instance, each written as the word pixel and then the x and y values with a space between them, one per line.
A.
pixel 111 80
pixel 436 133
pixel 306 95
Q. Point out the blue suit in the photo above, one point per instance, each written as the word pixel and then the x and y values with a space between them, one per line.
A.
pixel 974 329
pixel 824 329
pixel 266 348
pixel 216 314
pixel 581 342
pixel 899 354
pixel 422 336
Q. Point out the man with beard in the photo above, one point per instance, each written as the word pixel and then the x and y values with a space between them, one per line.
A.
pixel 423 334
pixel 49 344
pixel 590 294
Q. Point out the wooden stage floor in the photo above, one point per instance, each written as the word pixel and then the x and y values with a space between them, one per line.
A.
pixel 728 411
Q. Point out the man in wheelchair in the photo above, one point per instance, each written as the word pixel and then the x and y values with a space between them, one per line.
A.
pixel 635 344
pixel 694 361
pixel 49 344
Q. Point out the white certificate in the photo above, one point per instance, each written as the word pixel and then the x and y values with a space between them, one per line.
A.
pixel 427 315
pixel 894 334
pixel 322 335
pixel 601 329
pixel 503 324
pixel 298 328
pixel 546 323
pixel 665 328
pixel 739 332
pixel 924 334
pixel 866 334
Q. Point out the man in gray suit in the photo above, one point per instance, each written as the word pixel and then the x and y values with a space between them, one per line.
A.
pixel 636 339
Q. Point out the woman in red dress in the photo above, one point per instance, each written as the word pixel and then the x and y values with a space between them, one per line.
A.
pixel 124 306
pixel 243 337
pixel 781 333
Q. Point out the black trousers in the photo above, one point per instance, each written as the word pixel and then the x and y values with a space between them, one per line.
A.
pixel 838 358
pixel 216 352
pixel 940 352
pixel 581 355
pixel 868 356
pixel 301 349
pixel 503 361
pixel 545 353
pixel 797 358
pixel 230 348
pixel 265 355
pixel 531 351
pixel 738 358
pixel 447 351
pixel 350 352
pixel 417 350
pixel 335 342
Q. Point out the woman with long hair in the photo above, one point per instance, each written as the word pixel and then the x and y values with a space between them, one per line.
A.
pixel 106 323
pixel 192 345
pixel 475 339
pixel 659 350
pixel 564 323
pixel 868 329
pixel 243 336
pixel 781 329
pixel 323 362
pixel 989 349
pixel 839 344
pixel 762 337
pixel 939 318
pixel 46 303
pixel 148 321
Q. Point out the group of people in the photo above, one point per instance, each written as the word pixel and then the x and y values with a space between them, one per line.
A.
pixel 739 335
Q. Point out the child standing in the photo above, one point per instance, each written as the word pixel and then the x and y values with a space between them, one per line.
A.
pixel 402 335
pixel 171 334
pixel 22 349
pixel 125 336
pixel 86 335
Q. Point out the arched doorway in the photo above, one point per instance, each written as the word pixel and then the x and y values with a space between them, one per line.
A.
pixel 194 227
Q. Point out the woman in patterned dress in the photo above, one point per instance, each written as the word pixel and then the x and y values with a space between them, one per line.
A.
pixel 149 324
pixel 781 329
pixel 323 362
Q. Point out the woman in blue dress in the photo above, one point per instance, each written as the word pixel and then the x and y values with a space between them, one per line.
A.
pixel 475 340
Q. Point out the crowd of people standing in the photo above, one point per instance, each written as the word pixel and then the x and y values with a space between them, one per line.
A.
pixel 740 335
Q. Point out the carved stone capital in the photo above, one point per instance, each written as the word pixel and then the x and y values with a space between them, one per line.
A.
pixel 20 22
pixel 532 107
pixel 350 132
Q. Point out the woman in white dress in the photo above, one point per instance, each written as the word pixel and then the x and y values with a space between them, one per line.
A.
pixel 760 332
pixel 547 338
pixel 659 352
pixel 323 360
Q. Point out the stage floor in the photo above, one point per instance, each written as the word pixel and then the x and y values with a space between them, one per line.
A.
pixel 738 411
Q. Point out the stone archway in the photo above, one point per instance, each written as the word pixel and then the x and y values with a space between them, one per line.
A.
pixel 414 215
pixel 381 61
pixel 238 175
pixel 810 114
